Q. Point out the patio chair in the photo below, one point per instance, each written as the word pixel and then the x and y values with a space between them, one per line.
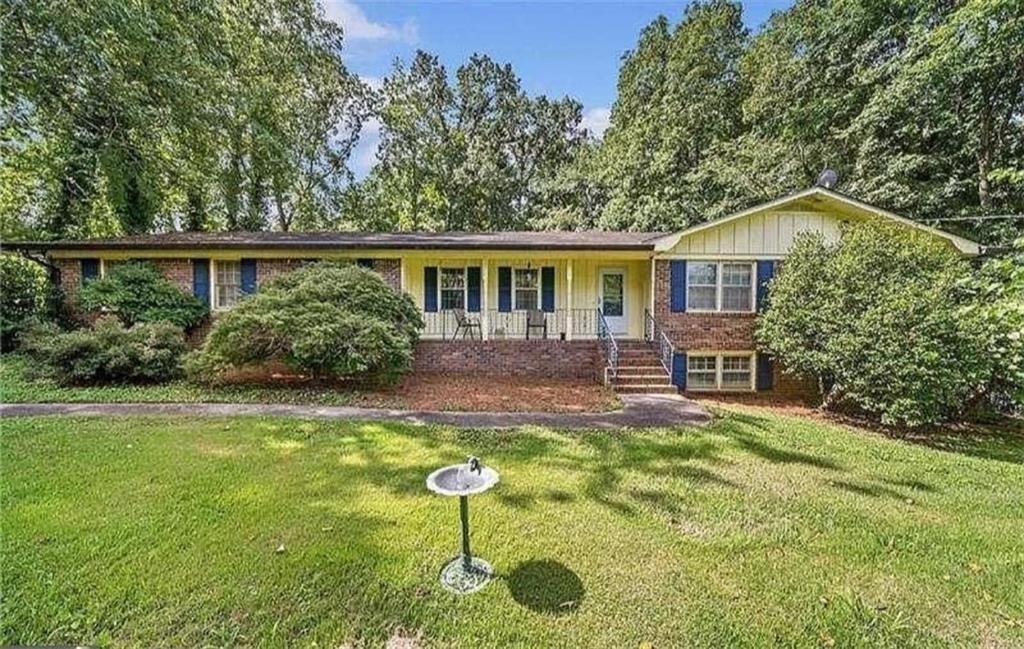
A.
pixel 535 320
pixel 466 325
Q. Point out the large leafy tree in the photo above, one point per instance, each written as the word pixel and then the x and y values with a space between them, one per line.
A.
pixel 465 155
pixel 679 95
pixel 151 115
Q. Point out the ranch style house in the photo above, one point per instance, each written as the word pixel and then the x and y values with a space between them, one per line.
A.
pixel 645 312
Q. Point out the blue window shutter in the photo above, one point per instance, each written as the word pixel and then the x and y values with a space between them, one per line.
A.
pixel 504 288
pixel 201 280
pixel 679 370
pixel 90 270
pixel 677 277
pixel 430 289
pixel 547 289
pixel 765 272
pixel 764 371
pixel 473 289
pixel 248 267
pixel 365 263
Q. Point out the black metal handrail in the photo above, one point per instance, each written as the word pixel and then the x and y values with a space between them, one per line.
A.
pixel 611 348
pixel 658 340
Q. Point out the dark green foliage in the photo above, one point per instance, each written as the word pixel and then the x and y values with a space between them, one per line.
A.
pixel 136 292
pixel 23 295
pixel 325 320
pixel 882 318
pixel 108 352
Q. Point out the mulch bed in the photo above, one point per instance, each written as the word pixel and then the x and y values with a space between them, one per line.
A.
pixel 424 391
pixel 492 394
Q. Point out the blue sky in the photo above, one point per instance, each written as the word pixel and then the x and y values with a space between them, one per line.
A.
pixel 556 48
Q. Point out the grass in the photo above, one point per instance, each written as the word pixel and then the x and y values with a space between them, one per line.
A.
pixel 759 530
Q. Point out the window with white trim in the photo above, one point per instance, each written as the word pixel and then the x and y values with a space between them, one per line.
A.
pixel 720 286
pixel 701 372
pixel 725 372
pixel 526 289
pixel 228 283
pixel 452 288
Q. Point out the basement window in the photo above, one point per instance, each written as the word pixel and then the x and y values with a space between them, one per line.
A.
pixel 729 372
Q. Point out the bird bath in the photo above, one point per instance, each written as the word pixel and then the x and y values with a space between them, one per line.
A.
pixel 465 573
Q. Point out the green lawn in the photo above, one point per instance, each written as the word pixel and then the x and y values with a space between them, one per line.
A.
pixel 758 530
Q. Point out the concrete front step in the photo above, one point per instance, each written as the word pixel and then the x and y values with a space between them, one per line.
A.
pixel 642 379
pixel 646 389
pixel 636 370
pixel 639 361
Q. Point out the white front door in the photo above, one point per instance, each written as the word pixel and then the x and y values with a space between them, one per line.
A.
pixel 613 299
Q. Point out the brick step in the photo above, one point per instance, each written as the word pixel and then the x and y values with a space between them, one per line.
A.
pixel 638 361
pixel 642 370
pixel 646 389
pixel 642 379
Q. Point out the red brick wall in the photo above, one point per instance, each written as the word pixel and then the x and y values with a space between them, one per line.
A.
pixel 70 276
pixel 390 270
pixel 179 271
pixel 578 359
pixel 707 331
pixel 721 332
pixel 267 269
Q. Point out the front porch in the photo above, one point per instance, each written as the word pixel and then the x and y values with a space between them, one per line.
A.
pixel 573 298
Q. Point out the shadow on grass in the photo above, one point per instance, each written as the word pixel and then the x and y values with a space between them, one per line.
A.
pixel 1002 440
pixel 546 586
pixel 871 490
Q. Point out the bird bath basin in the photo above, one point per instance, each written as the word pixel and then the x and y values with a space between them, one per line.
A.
pixel 465 573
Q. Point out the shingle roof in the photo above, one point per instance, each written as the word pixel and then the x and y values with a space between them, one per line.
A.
pixel 593 240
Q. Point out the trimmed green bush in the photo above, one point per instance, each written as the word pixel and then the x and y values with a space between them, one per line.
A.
pixel 322 320
pixel 882 317
pixel 23 292
pixel 135 292
pixel 107 352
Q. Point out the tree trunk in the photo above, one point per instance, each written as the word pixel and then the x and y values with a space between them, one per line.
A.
pixel 984 161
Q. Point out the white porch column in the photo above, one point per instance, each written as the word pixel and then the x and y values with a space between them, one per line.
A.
pixel 484 293
pixel 568 300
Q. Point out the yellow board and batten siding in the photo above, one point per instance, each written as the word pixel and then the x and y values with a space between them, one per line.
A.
pixel 760 235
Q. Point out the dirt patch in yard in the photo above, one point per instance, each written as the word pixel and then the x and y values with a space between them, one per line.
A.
pixel 422 391
pixel 429 391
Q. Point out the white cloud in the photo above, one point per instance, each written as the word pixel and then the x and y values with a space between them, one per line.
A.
pixel 596 120
pixel 359 27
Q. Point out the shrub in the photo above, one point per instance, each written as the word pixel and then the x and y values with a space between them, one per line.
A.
pixel 324 320
pixel 23 291
pixel 108 352
pixel 881 317
pixel 135 291
pixel 998 289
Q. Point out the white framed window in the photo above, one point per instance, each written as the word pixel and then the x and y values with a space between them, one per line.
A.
pixel 526 289
pixel 702 286
pixel 720 286
pixel 452 288
pixel 726 372
pixel 737 285
pixel 227 283
pixel 701 372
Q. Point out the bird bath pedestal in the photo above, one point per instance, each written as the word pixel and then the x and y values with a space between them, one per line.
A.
pixel 465 573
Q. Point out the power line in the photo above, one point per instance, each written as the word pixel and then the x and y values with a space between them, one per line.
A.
pixel 980 218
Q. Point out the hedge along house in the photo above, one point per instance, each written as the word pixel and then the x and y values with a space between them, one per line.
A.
pixel 647 312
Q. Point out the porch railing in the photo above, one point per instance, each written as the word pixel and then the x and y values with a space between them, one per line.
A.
pixel 658 340
pixel 608 344
pixel 500 325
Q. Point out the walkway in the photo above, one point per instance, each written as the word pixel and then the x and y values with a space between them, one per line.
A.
pixel 638 411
